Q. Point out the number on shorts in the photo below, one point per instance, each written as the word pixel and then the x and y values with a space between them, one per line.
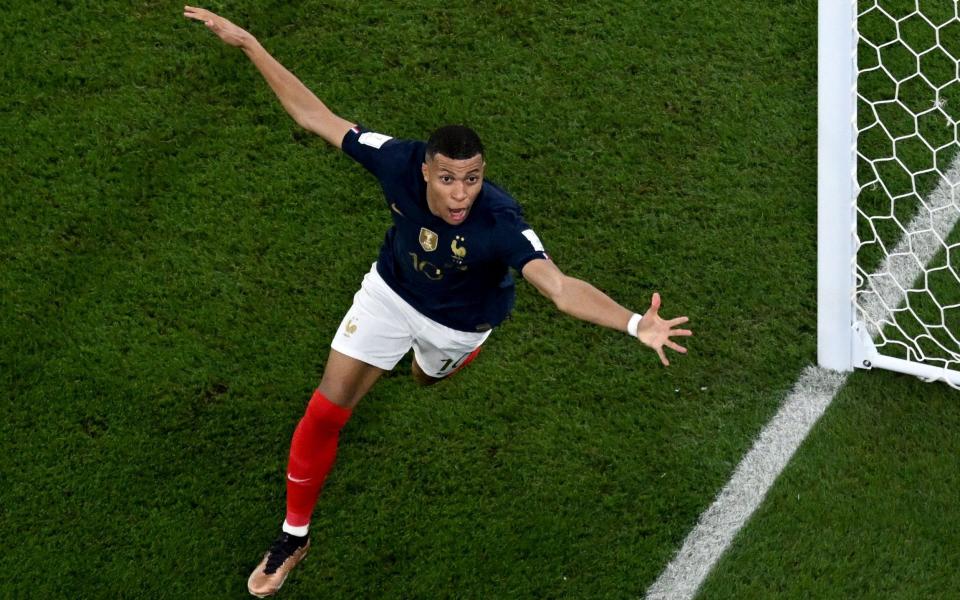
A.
pixel 448 363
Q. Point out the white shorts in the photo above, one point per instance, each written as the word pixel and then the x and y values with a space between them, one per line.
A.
pixel 381 327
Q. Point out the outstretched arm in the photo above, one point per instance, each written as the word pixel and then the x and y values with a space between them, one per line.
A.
pixel 579 299
pixel 305 108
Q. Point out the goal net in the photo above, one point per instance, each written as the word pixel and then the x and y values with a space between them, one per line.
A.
pixel 903 110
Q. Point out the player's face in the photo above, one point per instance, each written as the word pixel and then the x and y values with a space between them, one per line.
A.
pixel 452 186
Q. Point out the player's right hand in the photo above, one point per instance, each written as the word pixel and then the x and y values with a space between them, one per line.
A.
pixel 225 30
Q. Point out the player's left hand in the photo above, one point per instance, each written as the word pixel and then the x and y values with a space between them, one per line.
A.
pixel 656 332
pixel 231 34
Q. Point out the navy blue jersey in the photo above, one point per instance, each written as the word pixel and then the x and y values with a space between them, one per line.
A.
pixel 457 275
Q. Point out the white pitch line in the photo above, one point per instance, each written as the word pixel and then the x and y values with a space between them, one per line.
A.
pixel 747 488
pixel 812 394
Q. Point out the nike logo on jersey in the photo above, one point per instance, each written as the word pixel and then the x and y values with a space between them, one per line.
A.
pixel 393 207
pixel 295 480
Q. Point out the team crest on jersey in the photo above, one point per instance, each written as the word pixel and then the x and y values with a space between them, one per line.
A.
pixel 459 252
pixel 428 239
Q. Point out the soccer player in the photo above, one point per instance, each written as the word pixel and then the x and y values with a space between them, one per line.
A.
pixel 441 283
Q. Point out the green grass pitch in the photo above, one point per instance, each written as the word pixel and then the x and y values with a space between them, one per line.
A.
pixel 175 256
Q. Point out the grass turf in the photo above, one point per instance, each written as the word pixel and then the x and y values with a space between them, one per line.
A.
pixel 861 512
pixel 176 255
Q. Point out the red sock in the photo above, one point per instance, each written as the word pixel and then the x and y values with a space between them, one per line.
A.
pixel 312 452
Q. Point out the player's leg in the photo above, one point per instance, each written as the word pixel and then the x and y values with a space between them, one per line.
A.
pixel 347 380
pixel 314 446
pixel 420 377
pixel 370 340
pixel 313 451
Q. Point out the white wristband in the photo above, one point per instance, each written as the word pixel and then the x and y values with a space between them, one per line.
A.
pixel 633 324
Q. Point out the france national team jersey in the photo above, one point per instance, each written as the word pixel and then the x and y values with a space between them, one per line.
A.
pixel 457 275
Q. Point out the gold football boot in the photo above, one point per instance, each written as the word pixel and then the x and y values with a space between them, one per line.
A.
pixel 284 554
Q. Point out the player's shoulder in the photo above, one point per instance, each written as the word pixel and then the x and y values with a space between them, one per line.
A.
pixel 499 205
pixel 360 142
pixel 514 238
pixel 361 136
pixel 498 200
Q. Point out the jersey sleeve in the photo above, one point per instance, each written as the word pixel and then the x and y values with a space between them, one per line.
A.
pixel 378 153
pixel 518 242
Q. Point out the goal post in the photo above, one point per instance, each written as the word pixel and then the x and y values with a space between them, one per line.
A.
pixel 836 175
pixel 888 193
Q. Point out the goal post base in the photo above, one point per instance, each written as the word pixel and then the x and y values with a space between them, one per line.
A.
pixel 865 356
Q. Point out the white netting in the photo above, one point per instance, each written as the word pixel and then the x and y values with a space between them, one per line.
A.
pixel 908 172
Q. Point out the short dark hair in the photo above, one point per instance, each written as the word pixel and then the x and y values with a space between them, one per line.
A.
pixel 454 141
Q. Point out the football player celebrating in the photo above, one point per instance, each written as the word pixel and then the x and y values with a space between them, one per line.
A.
pixel 441 283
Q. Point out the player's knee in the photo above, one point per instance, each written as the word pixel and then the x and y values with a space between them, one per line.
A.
pixel 324 413
pixel 337 392
pixel 422 378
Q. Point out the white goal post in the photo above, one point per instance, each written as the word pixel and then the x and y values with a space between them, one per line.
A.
pixel 888 293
